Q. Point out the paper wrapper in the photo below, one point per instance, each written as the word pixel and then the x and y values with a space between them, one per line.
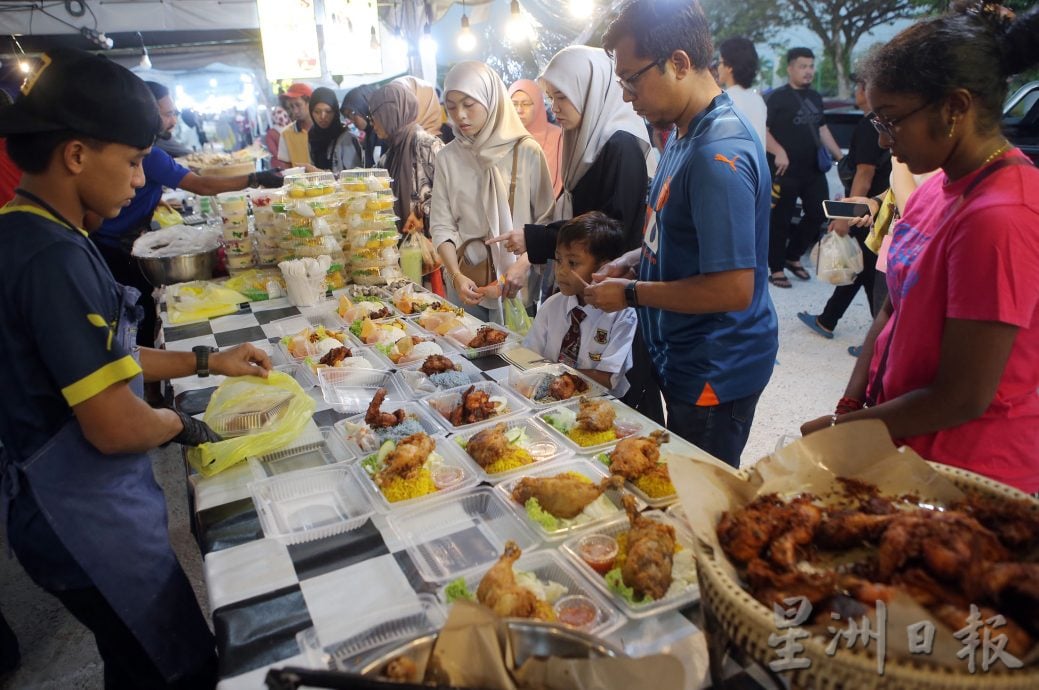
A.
pixel 473 650
pixel 858 450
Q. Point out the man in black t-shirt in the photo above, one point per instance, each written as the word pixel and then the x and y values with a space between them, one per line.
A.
pixel 796 133
pixel 872 171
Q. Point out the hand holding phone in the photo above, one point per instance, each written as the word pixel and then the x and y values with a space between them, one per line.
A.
pixel 844 209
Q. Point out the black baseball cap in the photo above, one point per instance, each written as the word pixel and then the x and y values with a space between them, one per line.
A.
pixel 85 93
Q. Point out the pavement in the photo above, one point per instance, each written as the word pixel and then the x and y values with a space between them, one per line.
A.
pixel 809 378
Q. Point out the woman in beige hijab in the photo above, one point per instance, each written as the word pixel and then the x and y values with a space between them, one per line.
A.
pixel 428 104
pixel 491 161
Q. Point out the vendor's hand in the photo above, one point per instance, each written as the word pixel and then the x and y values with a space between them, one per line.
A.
pixel 782 163
pixel 412 224
pixel 467 290
pixel 839 226
pixel 515 279
pixel 240 360
pixel 607 294
pixel 195 431
pixel 816 425
pixel 614 269
pixel 267 178
pixel 515 241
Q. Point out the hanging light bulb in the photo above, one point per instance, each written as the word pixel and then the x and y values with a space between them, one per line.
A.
pixel 466 39
pixel 517 30
pixel 582 9
pixel 374 44
pixel 146 61
pixel 427 45
pixel 24 66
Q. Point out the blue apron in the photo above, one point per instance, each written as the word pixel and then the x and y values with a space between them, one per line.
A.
pixel 110 515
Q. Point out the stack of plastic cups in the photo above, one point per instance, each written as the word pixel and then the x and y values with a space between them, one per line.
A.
pixel 371 226
pixel 234 213
pixel 313 225
pixel 266 203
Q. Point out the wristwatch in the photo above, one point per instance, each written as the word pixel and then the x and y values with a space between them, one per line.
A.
pixel 202 353
pixel 630 295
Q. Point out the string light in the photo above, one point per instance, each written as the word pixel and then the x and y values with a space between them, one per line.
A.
pixel 517 30
pixel 466 39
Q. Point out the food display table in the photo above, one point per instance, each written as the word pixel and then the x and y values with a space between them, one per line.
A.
pixel 263 593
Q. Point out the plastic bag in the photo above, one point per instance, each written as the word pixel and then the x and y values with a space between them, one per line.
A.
pixel 237 395
pixel 255 283
pixel 177 240
pixel 516 318
pixel 166 216
pixel 886 216
pixel 201 300
pixel 837 259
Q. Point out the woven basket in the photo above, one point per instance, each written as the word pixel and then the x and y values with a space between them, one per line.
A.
pixel 748 624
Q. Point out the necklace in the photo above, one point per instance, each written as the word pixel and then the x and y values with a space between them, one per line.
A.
pixel 992 156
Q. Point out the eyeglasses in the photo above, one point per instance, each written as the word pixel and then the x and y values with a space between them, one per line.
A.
pixel 628 83
pixel 887 127
pixel 522 104
pixel 171 113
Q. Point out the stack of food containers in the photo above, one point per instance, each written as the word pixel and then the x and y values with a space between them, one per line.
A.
pixel 234 214
pixel 267 203
pixel 371 226
pixel 312 225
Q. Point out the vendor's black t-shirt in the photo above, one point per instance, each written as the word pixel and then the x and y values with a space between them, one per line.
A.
pixel 793 114
pixel 865 149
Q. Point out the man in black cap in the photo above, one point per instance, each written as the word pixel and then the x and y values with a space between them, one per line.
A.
pixel 116 236
pixel 83 512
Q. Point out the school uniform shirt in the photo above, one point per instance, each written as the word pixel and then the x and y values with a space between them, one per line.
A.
pixel 708 212
pixel 605 338
pixel 976 262
pixel 160 170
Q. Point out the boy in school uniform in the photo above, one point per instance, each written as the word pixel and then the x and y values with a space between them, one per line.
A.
pixel 566 329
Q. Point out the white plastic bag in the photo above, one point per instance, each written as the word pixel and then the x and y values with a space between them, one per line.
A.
pixel 837 259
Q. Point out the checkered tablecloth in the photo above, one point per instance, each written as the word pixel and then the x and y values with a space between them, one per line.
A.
pixel 262 592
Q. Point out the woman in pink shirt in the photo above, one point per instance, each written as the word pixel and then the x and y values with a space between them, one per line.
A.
pixel 951 364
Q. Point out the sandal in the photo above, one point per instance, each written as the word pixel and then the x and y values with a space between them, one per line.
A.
pixel 779 280
pixel 798 271
pixel 812 321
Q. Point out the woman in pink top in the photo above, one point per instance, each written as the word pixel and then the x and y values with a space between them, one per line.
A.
pixel 529 102
pixel 951 364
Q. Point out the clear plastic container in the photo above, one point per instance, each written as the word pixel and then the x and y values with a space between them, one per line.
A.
pixel 310 185
pixel 411 299
pixel 528 384
pixel 255 418
pixel 379 239
pixel 607 510
pixel 308 369
pixel 351 389
pixel 549 566
pixel 627 423
pixel 300 345
pixel 376 276
pixel 461 337
pixel 419 385
pixel 405 621
pixel 652 501
pixel 466 479
pixel 362 441
pixel 453 537
pixel 443 403
pixel 416 354
pixel 302 457
pixel 542 448
pixel 304 506
pixel 359 308
pixel 688 593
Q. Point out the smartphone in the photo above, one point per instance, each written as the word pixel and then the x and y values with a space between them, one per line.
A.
pixel 844 209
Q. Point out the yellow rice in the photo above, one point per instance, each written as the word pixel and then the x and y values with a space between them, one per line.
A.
pixel 655 486
pixel 585 438
pixel 512 458
pixel 543 611
pixel 400 489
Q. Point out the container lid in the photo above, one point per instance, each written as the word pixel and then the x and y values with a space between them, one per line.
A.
pixel 521 433
pixel 312 504
pixel 442 404
pixel 536 385
pixel 254 415
pixel 628 422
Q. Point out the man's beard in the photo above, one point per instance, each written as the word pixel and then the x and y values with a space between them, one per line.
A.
pixel 167 135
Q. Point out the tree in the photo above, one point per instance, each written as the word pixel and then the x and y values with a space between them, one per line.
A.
pixel 839 24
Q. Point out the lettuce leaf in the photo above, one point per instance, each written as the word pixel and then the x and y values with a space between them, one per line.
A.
pixel 541 516
pixel 457 590
pixel 615 581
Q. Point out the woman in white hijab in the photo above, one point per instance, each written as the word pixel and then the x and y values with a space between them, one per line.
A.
pixel 492 161
pixel 604 151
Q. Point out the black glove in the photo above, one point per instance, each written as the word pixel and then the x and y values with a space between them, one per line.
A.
pixel 195 433
pixel 266 178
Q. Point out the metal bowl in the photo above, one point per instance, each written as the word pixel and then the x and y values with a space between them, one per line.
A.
pixel 529 639
pixel 178 269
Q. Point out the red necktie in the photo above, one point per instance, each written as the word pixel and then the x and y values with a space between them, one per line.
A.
pixel 571 345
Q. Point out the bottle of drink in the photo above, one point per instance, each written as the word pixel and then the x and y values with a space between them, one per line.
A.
pixel 411 261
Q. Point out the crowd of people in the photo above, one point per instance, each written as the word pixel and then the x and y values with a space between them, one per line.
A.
pixel 656 287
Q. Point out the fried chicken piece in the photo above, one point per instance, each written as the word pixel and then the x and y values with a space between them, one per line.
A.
pixel 377 419
pixel 950 545
pixel 771 585
pixel 475 406
pixel 498 589
pixel 335 356
pixel 437 364
pixel 745 533
pixel 847 528
pixel 1015 522
pixel 1014 587
pixel 401 670
pixel 596 415
pixel 383 313
pixel 651 551
pixel 487 446
pixel 635 456
pixel 1019 642
pixel 800 522
pixel 566 386
pixel 486 336
pixel 407 458
pixel 563 495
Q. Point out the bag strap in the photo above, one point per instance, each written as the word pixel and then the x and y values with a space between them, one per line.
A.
pixel 512 178
pixel 877 383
